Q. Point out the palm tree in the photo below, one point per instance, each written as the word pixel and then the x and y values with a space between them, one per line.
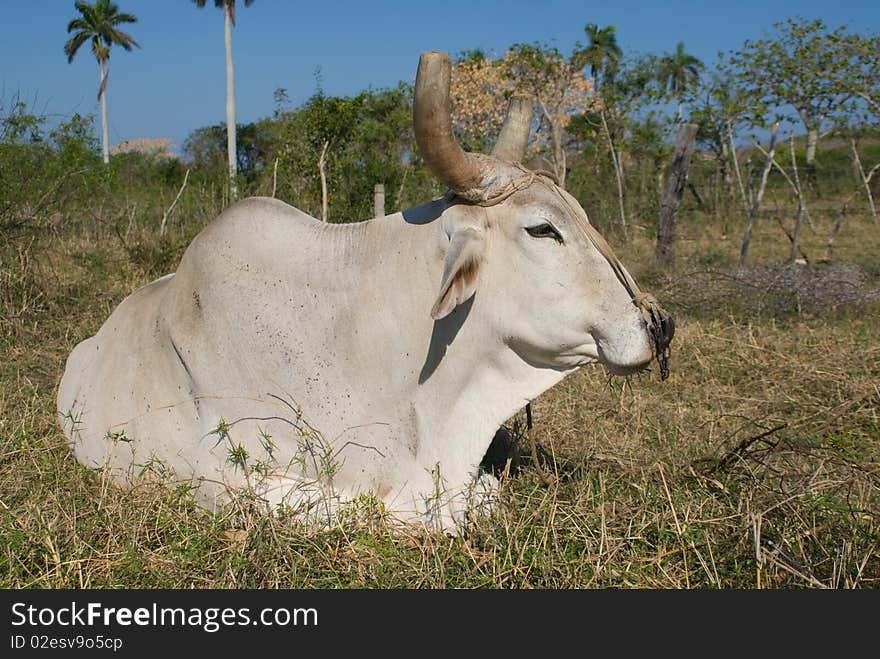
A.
pixel 99 22
pixel 228 7
pixel 603 55
pixel 602 52
pixel 678 72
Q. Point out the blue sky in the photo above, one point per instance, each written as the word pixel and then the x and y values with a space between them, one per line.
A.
pixel 176 81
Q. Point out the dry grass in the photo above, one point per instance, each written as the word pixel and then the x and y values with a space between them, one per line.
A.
pixel 757 464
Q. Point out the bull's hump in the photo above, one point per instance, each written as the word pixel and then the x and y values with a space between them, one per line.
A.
pixel 249 226
pixel 265 209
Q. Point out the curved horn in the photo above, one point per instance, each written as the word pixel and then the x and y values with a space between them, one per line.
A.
pixel 433 125
pixel 514 136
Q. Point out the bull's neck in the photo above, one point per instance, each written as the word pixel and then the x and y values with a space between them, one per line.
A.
pixel 477 385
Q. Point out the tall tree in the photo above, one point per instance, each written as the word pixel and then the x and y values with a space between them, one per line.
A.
pixel 805 66
pixel 602 53
pixel 228 7
pixel 99 23
pixel 718 107
pixel 679 72
pixel 609 122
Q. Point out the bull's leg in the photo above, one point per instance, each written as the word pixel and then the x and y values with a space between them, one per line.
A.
pixel 436 501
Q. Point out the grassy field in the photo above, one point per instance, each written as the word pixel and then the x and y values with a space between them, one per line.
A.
pixel 755 465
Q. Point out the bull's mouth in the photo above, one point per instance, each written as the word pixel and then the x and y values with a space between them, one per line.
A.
pixel 616 369
pixel 586 353
pixel 638 364
pixel 593 353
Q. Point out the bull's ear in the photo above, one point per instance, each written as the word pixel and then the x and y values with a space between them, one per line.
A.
pixel 459 271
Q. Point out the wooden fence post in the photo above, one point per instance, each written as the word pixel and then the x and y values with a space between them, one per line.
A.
pixel 379 200
pixel 675 183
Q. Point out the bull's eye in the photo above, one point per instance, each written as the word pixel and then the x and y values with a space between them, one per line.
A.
pixel 545 231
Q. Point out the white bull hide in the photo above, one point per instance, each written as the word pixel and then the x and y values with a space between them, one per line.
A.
pixel 305 361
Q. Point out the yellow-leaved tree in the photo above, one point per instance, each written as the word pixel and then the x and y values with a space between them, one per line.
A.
pixel 158 147
pixel 482 85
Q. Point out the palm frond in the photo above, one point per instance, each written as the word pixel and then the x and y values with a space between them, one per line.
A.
pixel 74 43
pixel 125 18
pixel 121 38
pixel 77 24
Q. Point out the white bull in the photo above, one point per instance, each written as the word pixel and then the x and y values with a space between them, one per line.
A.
pixel 300 359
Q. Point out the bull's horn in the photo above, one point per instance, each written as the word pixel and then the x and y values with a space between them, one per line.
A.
pixel 514 136
pixel 433 125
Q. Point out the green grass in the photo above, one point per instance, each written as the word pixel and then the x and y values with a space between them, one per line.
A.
pixel 641 484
